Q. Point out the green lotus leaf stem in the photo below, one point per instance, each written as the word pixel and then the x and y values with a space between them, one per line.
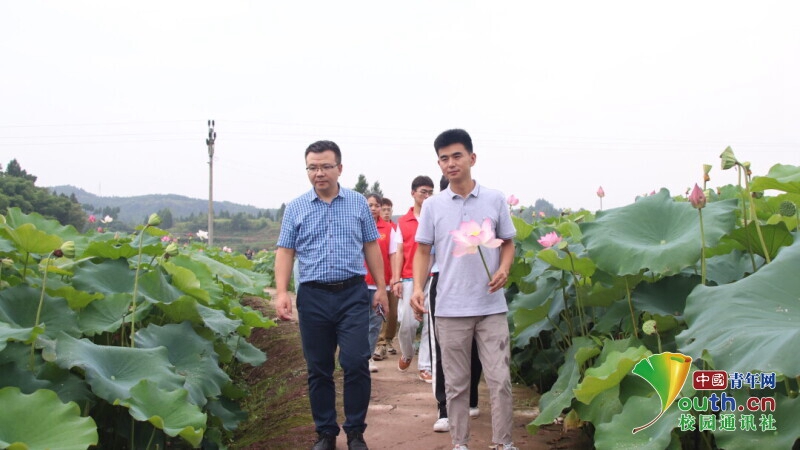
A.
pixel 581 313
pixel 39 308
pixel 136 289
pixel 702 250
pixel 755 218
pixel 567 316
pixel 630 306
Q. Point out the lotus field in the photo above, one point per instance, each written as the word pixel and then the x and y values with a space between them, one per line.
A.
pixel 714 275
pixel 120 341
pixel 128 341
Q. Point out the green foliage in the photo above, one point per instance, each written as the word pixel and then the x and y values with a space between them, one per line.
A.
pixel 17 190
pixel 41 420
pixel 764 304
pixel 656 233
pixel 71 335
pixel 362 185
pixel 587 297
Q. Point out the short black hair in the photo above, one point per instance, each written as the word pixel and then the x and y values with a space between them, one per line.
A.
pixel 386 202
pixel 421 180
pixel 454 136
pixel 443 183
pixel 322 146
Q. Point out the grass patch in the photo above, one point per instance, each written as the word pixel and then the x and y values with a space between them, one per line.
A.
pixel 279 414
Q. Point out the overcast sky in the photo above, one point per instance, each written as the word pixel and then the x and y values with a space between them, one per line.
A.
pixel 560 97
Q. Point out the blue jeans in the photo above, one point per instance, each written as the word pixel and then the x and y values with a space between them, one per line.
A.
pixel 328 319
pixel 375 322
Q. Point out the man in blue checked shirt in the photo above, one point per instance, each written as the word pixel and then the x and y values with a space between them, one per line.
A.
pixel 331 231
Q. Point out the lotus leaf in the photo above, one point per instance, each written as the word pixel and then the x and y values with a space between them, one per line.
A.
pixel 656 233
pixel 560 395
pixel 616 434
pixel 18 307
pixel 113 371
pixel 192 356
pixel 782 177
pixel 41 421
pixel 748 325
pixel 167 410
pixel 613 366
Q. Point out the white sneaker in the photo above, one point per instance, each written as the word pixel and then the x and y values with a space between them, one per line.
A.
pixel 505 447
pixel 442 425
pixel 372 366
pixel 461 447
pixel 474 412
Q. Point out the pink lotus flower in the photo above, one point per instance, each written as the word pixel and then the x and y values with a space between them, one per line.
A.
pixel 227 249
pixel 99 229
pixel 541 214
pixel 697 198
pixel 92 219
pixel 512 201
pixel 600 192
pixel 550 239
pixel 470 237
pixel 165 238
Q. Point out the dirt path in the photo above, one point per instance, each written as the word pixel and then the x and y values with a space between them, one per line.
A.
pixel 402 410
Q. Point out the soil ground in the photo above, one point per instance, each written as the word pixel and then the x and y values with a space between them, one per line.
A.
pixel 401 413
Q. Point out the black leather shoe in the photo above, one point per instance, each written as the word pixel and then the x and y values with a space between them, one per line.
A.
pixel 326 441
pixel 355 441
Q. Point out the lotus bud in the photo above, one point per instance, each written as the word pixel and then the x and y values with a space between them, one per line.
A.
pixel 172 249
pixel 649 327
pixel 7 262
pixel 728 159
pixel 68 249
pixel 153 220
pixel 600 192
pixel 697 198
pixel 787 209
pixel 512 200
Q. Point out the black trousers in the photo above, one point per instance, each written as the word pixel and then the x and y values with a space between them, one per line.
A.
pixel 476 369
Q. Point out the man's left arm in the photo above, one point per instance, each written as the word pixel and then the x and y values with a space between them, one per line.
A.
pixel 374 258
pixel 506 259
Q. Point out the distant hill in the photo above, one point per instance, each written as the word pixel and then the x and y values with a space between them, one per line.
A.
pixel 136 209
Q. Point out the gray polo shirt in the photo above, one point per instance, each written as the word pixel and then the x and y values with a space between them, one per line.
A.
pixel 463 289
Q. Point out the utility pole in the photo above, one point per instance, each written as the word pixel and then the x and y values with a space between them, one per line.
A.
pixel 212 136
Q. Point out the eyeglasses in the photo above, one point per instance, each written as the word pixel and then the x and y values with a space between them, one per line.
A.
pixel 322 168
pixel 425 192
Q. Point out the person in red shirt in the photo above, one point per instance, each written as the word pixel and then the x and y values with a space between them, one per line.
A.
pixel 385 231
pixel 389 327
pixel 403 284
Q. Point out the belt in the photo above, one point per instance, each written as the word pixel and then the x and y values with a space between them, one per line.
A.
pixel 335 287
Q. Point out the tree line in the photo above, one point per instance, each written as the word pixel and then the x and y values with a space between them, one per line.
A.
pixel 18 189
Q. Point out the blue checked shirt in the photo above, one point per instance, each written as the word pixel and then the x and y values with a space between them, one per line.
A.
pixel 328 238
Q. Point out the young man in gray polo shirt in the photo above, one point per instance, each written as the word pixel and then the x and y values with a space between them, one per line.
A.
pixel 470 302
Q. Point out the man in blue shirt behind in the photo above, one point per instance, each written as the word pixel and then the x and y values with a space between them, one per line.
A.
pixel 331 231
